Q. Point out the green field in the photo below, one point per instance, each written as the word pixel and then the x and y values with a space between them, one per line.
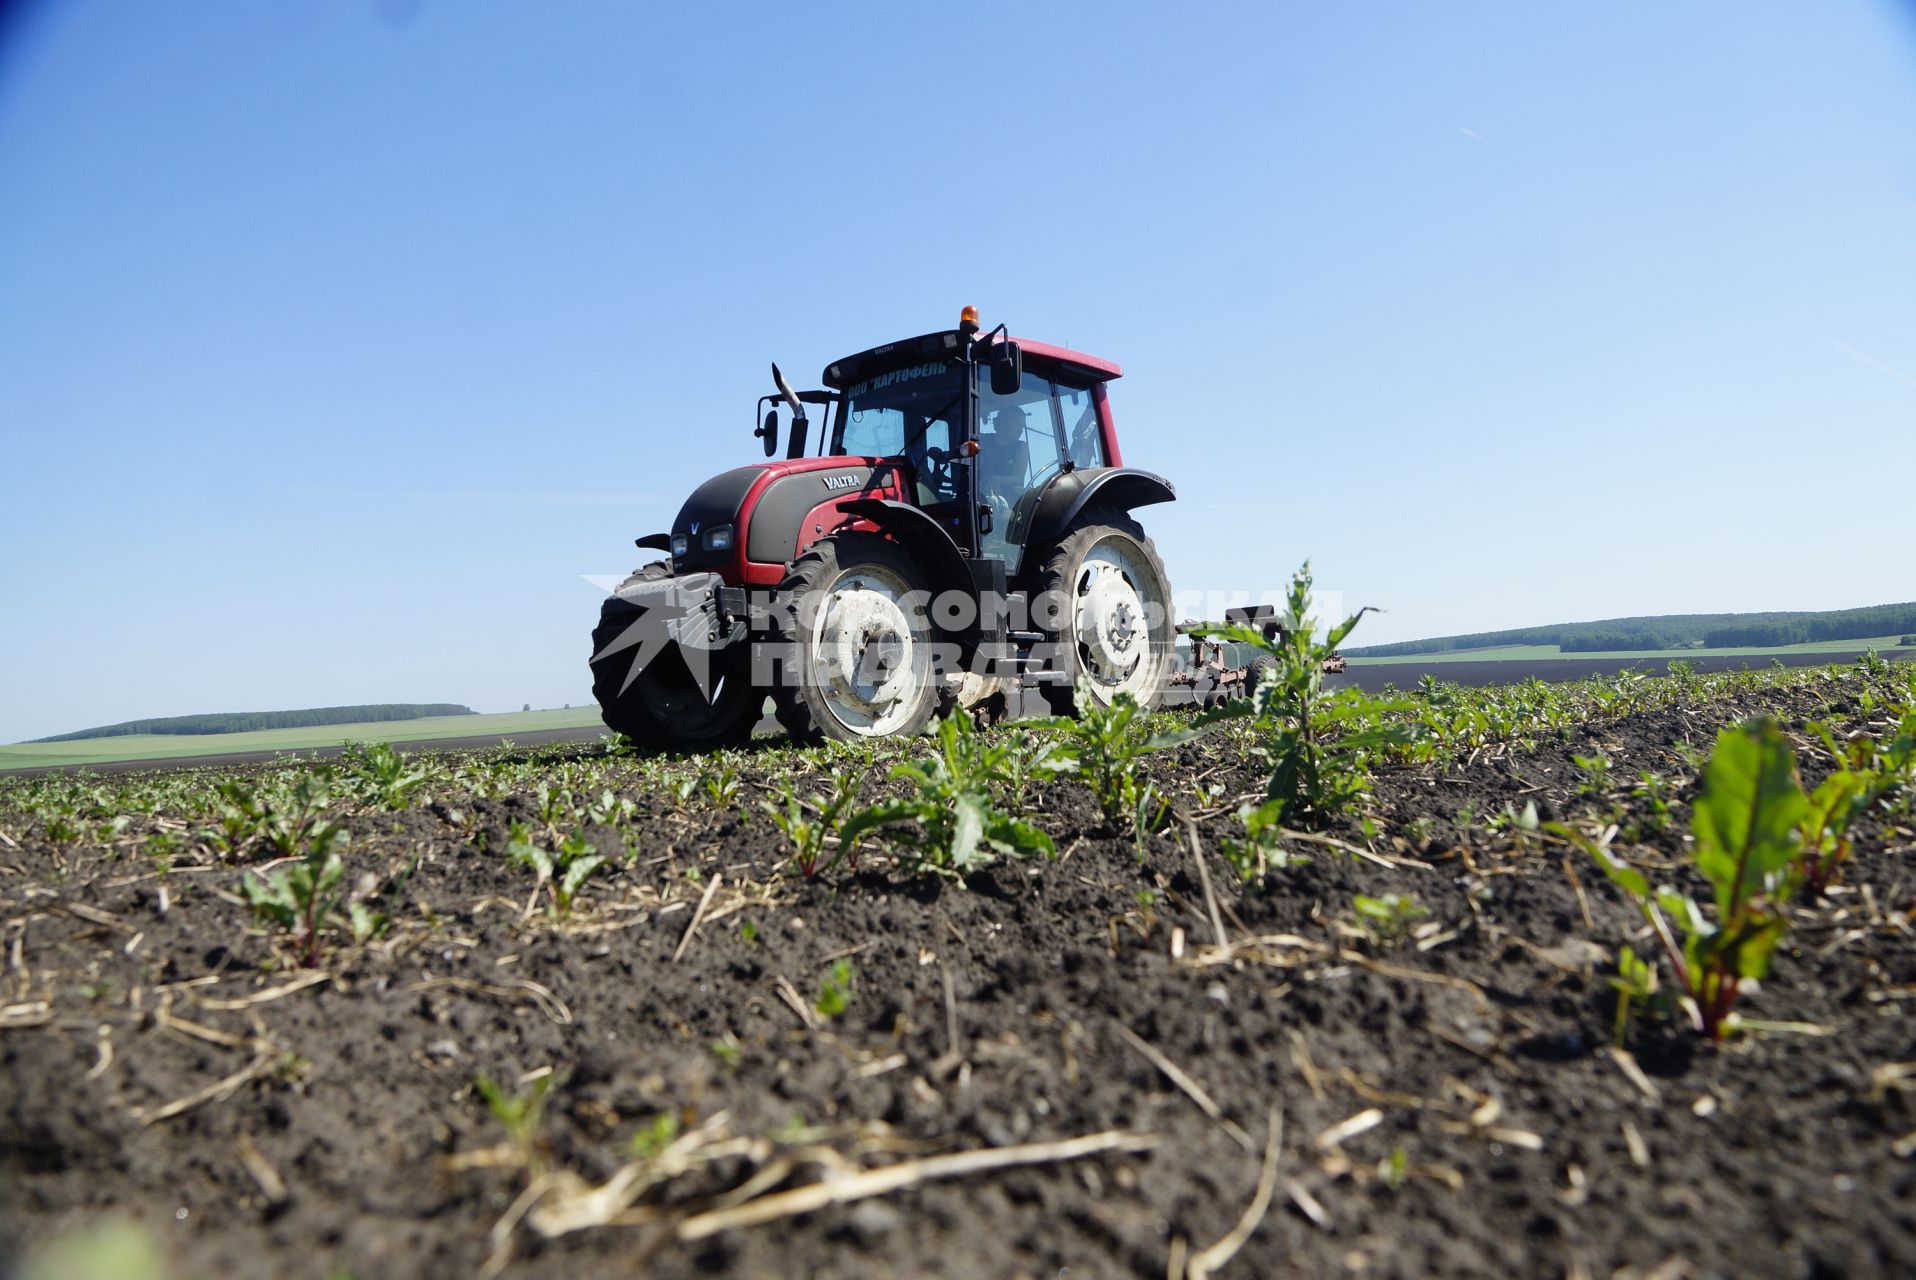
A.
pixel 1536 652
pixel 154 746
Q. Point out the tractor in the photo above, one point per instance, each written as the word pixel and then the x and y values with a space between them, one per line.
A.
pixel 963 530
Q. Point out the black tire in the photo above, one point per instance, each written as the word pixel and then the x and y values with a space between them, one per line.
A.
pixel 816 700
pixel 1262 668
pixel 1057 584
pixel 662 709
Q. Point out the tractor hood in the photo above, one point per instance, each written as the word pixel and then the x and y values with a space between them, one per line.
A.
pixel 713 505
pixel 761 506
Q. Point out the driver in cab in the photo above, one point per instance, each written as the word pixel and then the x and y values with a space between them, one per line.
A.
pixel 1005 461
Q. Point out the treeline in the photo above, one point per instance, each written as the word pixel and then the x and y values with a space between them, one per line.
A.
pixel 1675 631
pixel 246 721
pixel 1612 641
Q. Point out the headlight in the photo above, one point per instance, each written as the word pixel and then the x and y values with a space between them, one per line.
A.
pixel 718 538
pixel 679 544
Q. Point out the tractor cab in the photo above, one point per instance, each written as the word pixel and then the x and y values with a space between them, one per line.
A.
pixel 977 427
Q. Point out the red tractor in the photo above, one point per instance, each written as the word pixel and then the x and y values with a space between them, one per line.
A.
pixel 965 528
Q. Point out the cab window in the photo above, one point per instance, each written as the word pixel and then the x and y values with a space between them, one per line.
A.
pixel 1078 419
pixel 906 413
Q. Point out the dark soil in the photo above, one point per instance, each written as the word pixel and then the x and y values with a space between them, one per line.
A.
pixel 1508 1140
pixel 1404 675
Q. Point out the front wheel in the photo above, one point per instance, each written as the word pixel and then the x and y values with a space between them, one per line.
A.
pixel 660 706
pixel 859 662
pixel 1102 599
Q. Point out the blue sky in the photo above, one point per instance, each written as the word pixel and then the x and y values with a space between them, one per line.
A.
pixel 337 340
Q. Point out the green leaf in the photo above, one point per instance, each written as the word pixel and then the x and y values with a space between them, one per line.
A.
pixel 1683 909
pixel 528 854
pixel 1636 976
pixel 1268 816
pixel 1833 806
pixel 1747 951
pixel 1015 836
pixel 1172 738
pixel 331 872
pixel 1335 636
pixel 577 872
pixel 967 831
pixel 1625 876
pixel 366 923
pixel 269 899
pixel 878 815
pixel 917 771
pixel 1747 817
pixel 1230 633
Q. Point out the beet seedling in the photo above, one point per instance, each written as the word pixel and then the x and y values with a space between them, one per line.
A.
pixel 555 805
pixel 1260 850
pixel 1388 916
pixel 1747 827
pixel 561 870
pixel 1864 772
pixel 286 820
pixel 1654 790
pixel 950 825
pixel 1595 768
pixel 1899 761
pixel 1104 746
pixel 728 1051
pixel 383 776
pixel 1636 981
pixel 721 786
pixel 291 816
pixel 808 833
pixel 304 897
pixel 1837 801
pixel 835 990
pixel 1032 755
pixel 518 1113
pixel 612 810
pixel 648 1141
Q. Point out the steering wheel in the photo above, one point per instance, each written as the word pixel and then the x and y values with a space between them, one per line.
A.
pixel 938 468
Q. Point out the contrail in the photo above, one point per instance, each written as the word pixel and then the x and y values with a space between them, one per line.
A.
pixel 1876 364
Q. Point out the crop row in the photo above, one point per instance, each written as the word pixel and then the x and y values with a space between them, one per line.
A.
pixel 1304 760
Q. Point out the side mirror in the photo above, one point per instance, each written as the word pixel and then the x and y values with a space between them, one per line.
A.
pixel 770 432
pixel 1007 369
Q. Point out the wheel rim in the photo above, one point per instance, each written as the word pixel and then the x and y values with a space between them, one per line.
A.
pixel 868 661
pixel 1111 622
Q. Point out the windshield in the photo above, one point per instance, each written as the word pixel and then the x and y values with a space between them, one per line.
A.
pixel 911 413
pixel 902 412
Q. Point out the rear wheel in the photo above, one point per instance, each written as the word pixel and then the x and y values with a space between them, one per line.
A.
pixel 1101 597
pixel 661 707
pixel 860 660
pixel 1263 667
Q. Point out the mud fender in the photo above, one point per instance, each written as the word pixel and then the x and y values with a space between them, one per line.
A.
pixel 920 534
pixel 1067 496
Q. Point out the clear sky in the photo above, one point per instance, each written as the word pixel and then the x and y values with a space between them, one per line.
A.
pixel 338 340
